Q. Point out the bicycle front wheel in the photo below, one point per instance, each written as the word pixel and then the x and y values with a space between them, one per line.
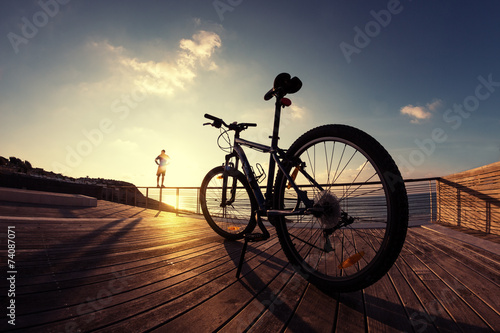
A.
pixel 357 227
pixel 233 218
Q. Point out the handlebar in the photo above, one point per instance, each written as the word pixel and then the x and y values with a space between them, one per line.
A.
pixel 218 122
pixel 209 116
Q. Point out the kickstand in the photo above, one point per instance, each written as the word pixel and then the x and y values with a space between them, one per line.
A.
pixel 253 237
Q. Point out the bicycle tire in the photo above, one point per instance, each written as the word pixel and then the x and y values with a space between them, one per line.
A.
pixel 372 192
pixel 234 221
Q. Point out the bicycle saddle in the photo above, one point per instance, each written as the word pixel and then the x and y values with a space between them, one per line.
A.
pixel 284 83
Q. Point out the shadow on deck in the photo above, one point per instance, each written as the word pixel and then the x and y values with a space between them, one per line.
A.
pixel 117 268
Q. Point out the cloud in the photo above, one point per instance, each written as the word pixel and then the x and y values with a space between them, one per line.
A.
pixel 434 105
pixel 421 113
pixel 162 77
pixel 201 46
pixel 418 113
pixel 124 145
pixel 297 112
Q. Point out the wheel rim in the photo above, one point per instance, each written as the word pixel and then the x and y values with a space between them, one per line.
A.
pixel 352 176
pixel 233 218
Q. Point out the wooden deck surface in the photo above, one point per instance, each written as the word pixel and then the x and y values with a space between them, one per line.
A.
pixel 117 268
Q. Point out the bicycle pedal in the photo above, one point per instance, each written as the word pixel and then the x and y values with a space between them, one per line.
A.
pixel 255 237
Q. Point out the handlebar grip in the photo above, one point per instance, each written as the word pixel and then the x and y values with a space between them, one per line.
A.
pixel 217 122
pixel 208 116
pixel 248 124
pixel 269 94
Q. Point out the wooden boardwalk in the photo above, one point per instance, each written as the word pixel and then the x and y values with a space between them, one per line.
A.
pixel 117 268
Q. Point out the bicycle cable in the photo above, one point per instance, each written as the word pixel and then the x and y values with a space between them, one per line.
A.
pixel 226 141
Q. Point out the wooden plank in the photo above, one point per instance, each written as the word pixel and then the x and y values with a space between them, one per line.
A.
pixel 487 169
pixel 384 308
pixel 142 276
pixel 479 259
pixel 475 286
pixel 135 281
pixel 188 296
pixel 315 312
pixel 434 314
pixel 173 273
pixel 220 309
pixel 351 316
pixel 409 287
pixel 267 299
pixel 454 293
pixel 276 318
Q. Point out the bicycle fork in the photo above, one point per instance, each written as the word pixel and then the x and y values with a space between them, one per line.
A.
pixel 229 170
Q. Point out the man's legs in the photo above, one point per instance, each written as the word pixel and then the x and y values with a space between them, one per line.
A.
pixel 162 179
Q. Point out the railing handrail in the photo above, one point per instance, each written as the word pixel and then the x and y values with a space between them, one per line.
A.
pixel 411 180
pixel 156 196
pixel 157 187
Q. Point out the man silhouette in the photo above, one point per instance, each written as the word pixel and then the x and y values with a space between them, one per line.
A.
pixel 161 161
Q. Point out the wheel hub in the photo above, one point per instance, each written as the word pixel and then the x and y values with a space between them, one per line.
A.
pixel 329 213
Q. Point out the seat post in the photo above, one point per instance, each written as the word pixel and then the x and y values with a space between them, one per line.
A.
pixel 274 147
pixel 276 127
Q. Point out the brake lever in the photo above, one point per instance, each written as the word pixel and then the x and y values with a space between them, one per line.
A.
pixel 214 124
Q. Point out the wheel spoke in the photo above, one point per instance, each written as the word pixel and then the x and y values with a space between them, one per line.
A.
pixel 346 237
pixel 233 218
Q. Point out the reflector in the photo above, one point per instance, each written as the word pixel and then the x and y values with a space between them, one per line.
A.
pixel 352 260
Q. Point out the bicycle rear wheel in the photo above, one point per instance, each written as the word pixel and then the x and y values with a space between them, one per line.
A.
pixel 359 226
pixel 233 218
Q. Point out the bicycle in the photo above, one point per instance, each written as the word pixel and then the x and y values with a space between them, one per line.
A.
pixel 338 202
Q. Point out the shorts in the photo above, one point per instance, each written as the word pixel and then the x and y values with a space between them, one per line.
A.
pixel 161 170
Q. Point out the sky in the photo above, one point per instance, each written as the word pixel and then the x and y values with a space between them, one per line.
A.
pixel 99 88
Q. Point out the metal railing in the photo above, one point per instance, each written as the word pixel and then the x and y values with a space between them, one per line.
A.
pixel 422 202
pixel 178 199
pixel 421 198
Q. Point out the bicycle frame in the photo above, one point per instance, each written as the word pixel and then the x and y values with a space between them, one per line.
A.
pixel 277 157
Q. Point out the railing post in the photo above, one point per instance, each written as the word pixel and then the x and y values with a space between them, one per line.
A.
pixel 430 196
pixel 159 204
pixel 198 200
pixel 438 201
pixel 147 196
pixel 488 217
pixel 344 194
pixel 177 201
